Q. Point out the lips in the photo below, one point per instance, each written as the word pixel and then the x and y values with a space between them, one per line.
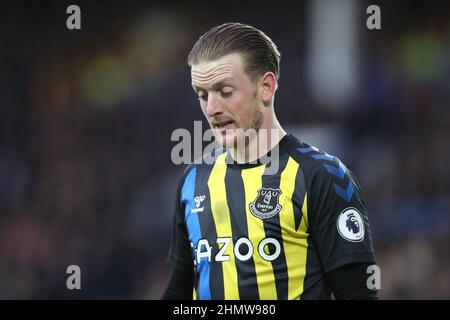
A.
pixel 224 125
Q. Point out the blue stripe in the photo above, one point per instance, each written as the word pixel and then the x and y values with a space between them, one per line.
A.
pixel 338 172
pixel 345 194
pixel 323 157
pixel 193 224
pixel 306 150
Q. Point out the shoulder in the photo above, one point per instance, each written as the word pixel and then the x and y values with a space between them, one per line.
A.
pixel 203 164
pixel 314 160
pixel 320 167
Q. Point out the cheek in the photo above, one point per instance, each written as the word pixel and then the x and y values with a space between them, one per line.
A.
pixel 203 107
pixel 243 108
pixel 251 112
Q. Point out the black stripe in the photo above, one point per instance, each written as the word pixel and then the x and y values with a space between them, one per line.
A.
pixel 313 282
pixel 208 230
pixel 248 286
pixel 314 285
pixel 273 230
pixel 298 197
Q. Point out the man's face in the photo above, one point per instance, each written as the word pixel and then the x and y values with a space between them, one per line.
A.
pixel 228 97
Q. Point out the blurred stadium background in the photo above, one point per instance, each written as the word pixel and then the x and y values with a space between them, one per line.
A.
pixel 86 118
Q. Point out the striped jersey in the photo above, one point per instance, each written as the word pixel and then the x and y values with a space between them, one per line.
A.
pixel 250 235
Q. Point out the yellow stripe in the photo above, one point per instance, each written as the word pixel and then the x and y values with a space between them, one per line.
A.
pixel 265 278
pixel 294 242
pixel 221 216
pixel 194 294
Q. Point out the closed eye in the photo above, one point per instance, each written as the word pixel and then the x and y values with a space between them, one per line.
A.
pixel 226 92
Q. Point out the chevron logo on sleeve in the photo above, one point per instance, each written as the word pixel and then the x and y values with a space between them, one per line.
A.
pixel 335 167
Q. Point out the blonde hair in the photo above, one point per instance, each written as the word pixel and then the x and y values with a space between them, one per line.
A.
pixel 259 52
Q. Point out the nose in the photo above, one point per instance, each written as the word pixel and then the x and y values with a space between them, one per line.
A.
pixel 213 105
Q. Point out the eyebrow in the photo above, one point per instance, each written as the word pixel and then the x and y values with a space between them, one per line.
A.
pixel 214 86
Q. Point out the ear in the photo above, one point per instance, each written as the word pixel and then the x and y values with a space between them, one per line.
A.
pixel 269 86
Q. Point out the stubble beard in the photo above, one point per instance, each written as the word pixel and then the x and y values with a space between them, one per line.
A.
pixel 244 136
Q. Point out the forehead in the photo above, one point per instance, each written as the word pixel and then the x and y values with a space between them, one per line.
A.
pixel 207 72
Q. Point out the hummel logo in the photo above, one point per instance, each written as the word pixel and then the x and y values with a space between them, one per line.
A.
pixel 198 201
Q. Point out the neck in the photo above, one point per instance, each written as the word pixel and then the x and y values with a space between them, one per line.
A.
pixel 259 144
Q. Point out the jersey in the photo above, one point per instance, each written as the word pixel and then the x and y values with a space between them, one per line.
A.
pixel 249 235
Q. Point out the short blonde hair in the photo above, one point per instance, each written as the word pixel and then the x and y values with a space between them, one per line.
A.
pixel 258 50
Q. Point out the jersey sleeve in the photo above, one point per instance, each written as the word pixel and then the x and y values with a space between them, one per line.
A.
pixel 339 225
pixel 180 253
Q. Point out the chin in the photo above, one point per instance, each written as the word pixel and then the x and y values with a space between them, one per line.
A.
pixel 226 141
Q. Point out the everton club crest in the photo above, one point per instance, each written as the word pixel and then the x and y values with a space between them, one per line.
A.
pixel 266 204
